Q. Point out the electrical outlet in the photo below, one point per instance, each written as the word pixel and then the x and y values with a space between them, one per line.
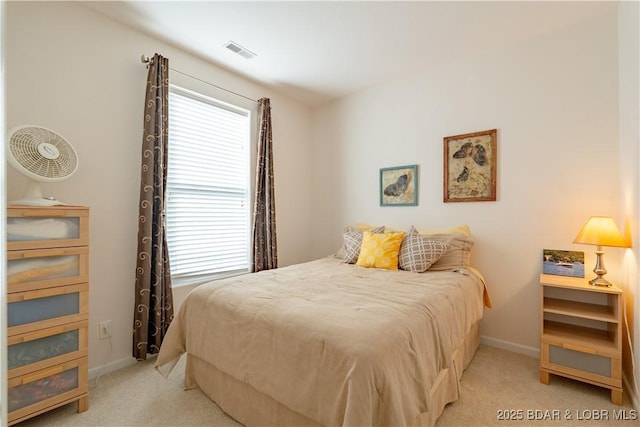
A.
pixel 105 330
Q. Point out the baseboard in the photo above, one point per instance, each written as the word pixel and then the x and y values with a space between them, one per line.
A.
pixel 506 345
pixel 110 367
pixel 633 397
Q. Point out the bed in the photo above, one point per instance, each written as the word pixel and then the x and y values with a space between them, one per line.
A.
pixel 329 343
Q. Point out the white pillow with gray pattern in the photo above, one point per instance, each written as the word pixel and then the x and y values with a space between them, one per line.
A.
pixel 352 238
pixel 418 253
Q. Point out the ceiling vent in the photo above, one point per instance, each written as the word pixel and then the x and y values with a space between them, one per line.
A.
pixel 235 47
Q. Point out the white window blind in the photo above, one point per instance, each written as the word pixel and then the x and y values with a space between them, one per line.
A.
pixel 207 215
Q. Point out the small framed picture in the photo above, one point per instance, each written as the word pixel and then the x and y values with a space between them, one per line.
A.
pixel 470 167
pixel 563 263
pixel 399 186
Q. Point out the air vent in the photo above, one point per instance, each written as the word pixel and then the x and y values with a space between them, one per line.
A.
pixel 236 48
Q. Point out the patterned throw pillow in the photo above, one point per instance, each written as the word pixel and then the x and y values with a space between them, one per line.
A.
pixel 352 242
pixel 418 252
pixel 380 250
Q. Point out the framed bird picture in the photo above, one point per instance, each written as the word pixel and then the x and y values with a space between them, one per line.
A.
pixel 470 167
pixel 399 186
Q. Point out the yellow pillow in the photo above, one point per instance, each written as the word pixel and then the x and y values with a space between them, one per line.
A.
pixel 380 250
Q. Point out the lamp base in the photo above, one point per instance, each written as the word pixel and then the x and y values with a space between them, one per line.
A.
pixel 600 281
pixel 600 271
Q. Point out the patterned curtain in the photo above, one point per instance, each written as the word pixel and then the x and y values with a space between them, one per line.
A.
pixel 153 299
pixel 265 248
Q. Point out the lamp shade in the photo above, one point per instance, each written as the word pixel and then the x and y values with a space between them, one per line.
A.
pixel 601 231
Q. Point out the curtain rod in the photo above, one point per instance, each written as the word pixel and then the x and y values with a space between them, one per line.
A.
pixel 146 60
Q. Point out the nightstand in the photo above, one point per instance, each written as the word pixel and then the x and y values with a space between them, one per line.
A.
pixel 581 332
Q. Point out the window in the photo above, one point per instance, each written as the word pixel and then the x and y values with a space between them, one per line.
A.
pixel 208 215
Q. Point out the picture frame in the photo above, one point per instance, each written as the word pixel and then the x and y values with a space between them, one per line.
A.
pixel 399 186
pixel 563 263
pixel 470 162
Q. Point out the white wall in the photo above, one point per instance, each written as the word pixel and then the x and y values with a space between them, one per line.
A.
pixel 3 219
pixel 554 101
pixel 629 108
pixel 79 73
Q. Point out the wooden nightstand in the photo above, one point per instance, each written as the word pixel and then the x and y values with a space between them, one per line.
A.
pixel 581 332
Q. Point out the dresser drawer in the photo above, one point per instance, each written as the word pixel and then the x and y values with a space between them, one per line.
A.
pixel 46 388
pixel 43 268
pixel 45 308
pixel 37 350
pixel 29 228
pixel 576 363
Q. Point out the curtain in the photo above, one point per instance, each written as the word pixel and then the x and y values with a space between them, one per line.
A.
pixel 153 297
pixel 265 251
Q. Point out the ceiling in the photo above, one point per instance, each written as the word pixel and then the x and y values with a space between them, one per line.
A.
pixel 318 51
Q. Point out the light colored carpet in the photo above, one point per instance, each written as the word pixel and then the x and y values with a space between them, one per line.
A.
pixel 495 381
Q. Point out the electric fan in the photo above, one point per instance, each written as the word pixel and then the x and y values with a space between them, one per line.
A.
pixel 42 156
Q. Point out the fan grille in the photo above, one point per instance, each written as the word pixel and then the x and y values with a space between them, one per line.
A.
pixel 24 148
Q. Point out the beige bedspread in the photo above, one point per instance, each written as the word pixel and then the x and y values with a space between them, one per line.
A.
pixel 340 344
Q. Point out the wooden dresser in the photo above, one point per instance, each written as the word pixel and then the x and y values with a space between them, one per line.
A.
pixel 48 309
pixel 581 332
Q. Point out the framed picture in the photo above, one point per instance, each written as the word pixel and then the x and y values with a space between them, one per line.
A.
pixel 563 263
pixel 470 167
pixel 399 186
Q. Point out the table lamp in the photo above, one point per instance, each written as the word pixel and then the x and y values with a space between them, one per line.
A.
pixel 600 231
